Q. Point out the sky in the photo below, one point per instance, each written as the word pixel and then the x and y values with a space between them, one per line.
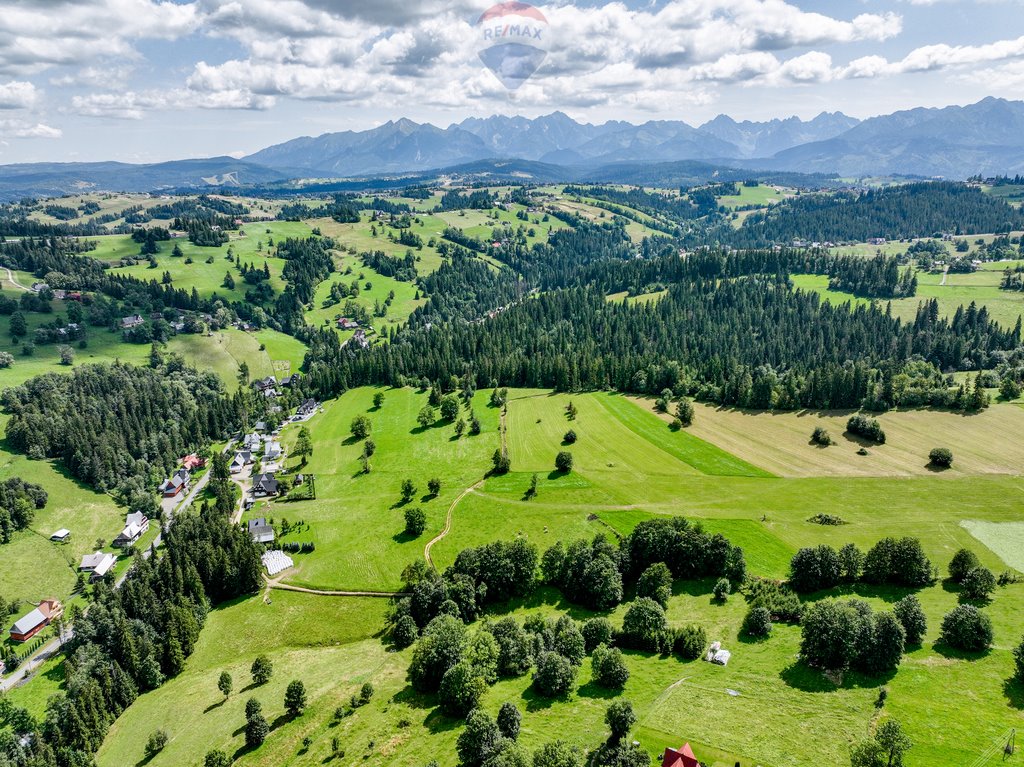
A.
pixel 154 80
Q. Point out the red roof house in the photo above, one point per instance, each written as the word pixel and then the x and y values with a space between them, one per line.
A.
pixel 682 758
pixel 193 461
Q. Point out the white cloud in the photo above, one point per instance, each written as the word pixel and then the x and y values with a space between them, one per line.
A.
pixel 18 95
pixel 22 129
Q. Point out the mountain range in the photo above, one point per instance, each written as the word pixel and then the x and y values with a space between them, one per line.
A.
pixel 952 142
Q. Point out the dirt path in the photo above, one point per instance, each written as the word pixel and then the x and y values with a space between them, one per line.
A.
pixel 11 279
pixel 448 522
pixel 276 584
pixel 945 273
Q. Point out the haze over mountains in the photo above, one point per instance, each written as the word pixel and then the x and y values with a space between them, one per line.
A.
pixel 952 142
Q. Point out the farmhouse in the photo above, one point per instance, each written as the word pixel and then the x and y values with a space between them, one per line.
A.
pixel 682 757
pixel 132 322
pixel 306 409
pixel 29 625
pixel 174 484
pixel 347 323
pixel 252 441
pixel 193 461
pixel 265 383
pixel 260 531
pixel 291 380
pixel 272 450
pixel 263 485
pixel 134 526
pixel 98 564
pixel 61 536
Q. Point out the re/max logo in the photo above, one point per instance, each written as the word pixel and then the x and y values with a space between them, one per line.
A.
pixel 512 30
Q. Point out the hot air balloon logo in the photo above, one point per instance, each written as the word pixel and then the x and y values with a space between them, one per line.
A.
pixel 513 40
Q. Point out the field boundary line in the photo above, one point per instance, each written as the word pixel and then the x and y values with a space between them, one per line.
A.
pixel 447 523
pixel 327 593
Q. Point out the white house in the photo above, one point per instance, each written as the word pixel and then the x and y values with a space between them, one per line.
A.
pixel 98 564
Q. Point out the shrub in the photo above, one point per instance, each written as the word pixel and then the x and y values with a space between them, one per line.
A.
pixel 941 456
pixel 609 669
pixel 643 624
pixel 295 697
pixel 829 520
pixel 509 720
pixel 563 461
pixel 570 437
pixel 899 562
pixel 722 589
pixel 360 427
pixel 962 563
pixel 597 632
pixel 820 436
pixel 684 412
pixel 978 584
pixel 461 689
pixel 554 676
pixel 911 616
pixel 690 642
pixel 758 622
pixel 404 632
pixel 965 627
pixel 865 427
pixel 262 669
pixel 415 521
pixel 655 582
pixel 434 486
pixel 1018 661
pixel 157 740
pixel 814 569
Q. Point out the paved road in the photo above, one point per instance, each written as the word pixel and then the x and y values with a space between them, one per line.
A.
pixel 23 673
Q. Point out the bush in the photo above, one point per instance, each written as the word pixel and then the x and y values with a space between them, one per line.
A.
pixel 911 616
pixel 941 457
pixel 655 582
pixel 967 628
pixel 820 436
pixel 415 521
pixel 554 676
pixel 509 720
pixel 157 740
pixel 609 669
pixel 865 427
pixel 828 520
pixel 404 632
pixel 1018 661
pixel 722 589
pixel 814 569
pixel 563 461
pixel 360 427
pixel 643 624
pixel 899 562
pixel 597 632
pixel 978 584
pixel 962 563
pixel 758 622
pixel 569 438
pixel 461 689
pixel 690 642
pixel 295 697
pixel 684 412
pixel 262 669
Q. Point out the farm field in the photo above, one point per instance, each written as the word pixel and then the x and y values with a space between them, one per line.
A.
pixel 760 195
pixel 983 443
pixel 981 287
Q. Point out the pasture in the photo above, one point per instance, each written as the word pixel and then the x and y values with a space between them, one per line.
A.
pixel 629 466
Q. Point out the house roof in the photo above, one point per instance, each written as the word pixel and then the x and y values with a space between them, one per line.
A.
pixel 138 518
pixel 62 533
pixel 266 482
pixel 99 562
pixel 258 522
pixel 682 758
pixel 28 622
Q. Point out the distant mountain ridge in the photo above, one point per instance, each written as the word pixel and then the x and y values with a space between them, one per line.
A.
pixel 952 142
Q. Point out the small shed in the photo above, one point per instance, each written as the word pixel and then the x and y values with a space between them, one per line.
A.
pixel 61 536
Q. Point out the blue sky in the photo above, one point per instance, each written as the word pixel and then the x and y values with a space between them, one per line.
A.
pixel 150 80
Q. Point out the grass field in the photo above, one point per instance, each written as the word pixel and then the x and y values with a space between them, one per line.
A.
pixel 760 195
pixel 628 467
pixel 981 287
pixel 983 443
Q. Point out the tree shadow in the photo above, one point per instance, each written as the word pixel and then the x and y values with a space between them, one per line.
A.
pixel 216 705
pixel 557 473
pixel 536 702
pixel 404 537
pixel 427 497
pixel 280 720
pixel 953 653
pixel 800 676
pixel 413 699
pixel 593 690
pixel 145 760
pixel 351 439
pixel 744 638
pixel 1014 691
pixel 437 721
pixel 543 596
pixel 883 592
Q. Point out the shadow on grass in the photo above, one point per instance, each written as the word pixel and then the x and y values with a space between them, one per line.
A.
pixel 351 439
pixel 593 690
pixel 558 473
pixel 413 699
pixel 800 676
pixel 216 705
pixel 1014 691
pixel 745 638
pixel 543 596
pixel 886 593
pixel 536 702
pixel 145 760
pixel 404 537
pixel 953 653
pixel 437 721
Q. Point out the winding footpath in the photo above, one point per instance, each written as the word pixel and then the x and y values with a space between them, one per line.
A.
pixel 447 523
pixel 13 280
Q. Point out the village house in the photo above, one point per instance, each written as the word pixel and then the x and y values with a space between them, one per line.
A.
pixel 682 757
pixel 251 441
pixel 264 485
pixel 134 526
pixel 347 323
pixel 97 565
pixel 306 409
pixel 260 531
pixel 131 322
pixel 61 536
pixel 291 380
pixel 242 459
pixel 265 383
pixel 174 484
pixel 273 450
pixel 29 625
pixel 192 462
pixel 39 287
